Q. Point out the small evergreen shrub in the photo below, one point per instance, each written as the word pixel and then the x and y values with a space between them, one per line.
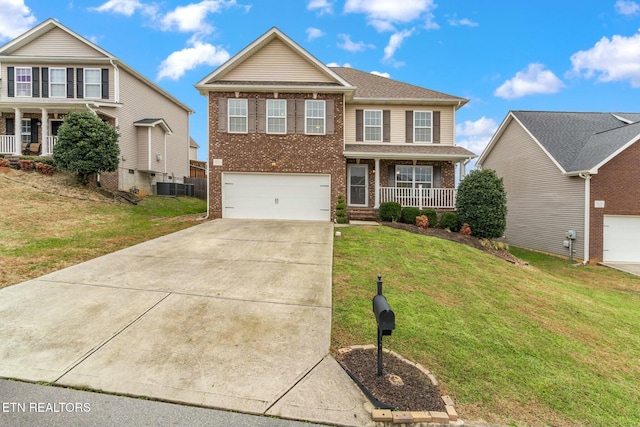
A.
pixel 409 215
pixel 482 203
pixel 422 221
pixel 26 165
pixel 44 168
pixel 450 221
pixel 431 215
pixel 390 211
pixel 341 210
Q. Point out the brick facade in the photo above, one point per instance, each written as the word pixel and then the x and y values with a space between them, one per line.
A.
pixel 617 185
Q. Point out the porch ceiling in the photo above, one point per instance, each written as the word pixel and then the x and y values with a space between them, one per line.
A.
pixel 408 152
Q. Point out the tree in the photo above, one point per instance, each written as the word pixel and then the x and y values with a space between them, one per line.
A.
pixel 86 146
pixel 482 203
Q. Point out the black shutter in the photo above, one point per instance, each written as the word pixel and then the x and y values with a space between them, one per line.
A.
pixel 35 82
pixel 436 127
pixel 409 129
pixel 11 87
pixel 69 82
pixel 45 82
pixel 80 82
pixel 34 131
pixel 222 114
pixel 386 125
pixel 105 83
pixel 10 126
pixel 359 125
pixel 437 177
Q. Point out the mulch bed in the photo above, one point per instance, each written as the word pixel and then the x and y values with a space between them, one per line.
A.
pixel 402 386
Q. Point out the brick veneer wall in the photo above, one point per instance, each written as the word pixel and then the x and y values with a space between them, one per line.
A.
pixel 617 185
pixel 294 153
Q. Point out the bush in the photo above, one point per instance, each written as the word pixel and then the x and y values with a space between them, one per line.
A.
pixel 26 165
pixel 431 215
pixel 465 229
pixel 390 211
pixel 44 168
pixel 341 210
pixel 422 221
pixel 4 163
pixel 450 221
pixel 409 215
pixel 482 203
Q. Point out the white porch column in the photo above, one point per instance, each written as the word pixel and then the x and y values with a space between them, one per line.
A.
pixel 44 128
pixel 18 132
pixel 376 175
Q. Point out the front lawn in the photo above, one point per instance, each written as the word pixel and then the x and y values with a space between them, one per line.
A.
pixel 545 344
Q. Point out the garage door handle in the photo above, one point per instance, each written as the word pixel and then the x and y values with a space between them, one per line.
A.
pixel 276 200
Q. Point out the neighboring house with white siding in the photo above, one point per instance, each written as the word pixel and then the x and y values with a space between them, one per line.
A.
pixel 50 70
pixel 288 134
pixel 570 171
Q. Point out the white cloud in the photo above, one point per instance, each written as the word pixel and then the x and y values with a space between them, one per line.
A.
pixel 192 17
pixel 124 7
pixel 627 7
pixel 612 59
pixel 464 22
pixel 15 19
pixel 322 6
pixel 381 74
pixel 179 62
pixel 384 14
pixel 335 64
pixel 351 46
pixel 395 41
pixel 475 135
pixel 314 33
pixel 430 22
pixel 533 80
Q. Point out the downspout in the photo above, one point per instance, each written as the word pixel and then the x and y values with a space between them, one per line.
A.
pixel 587 213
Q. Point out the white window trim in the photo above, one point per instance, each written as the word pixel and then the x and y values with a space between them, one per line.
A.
pixel 422 127
pixel 276 117
pixel 366 185
pixel 85 84
pixel 64 82
pixel 246 116
pixel 16 82
pixel 413 175
pixel 364 126
pixel 324 117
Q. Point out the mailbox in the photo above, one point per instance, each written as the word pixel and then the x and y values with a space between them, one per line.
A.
pixel 384 315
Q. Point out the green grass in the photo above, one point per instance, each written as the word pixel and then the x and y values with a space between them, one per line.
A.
pixel 544 344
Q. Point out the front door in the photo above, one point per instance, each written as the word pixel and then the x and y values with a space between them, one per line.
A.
pixel 358 185
pixel 55 125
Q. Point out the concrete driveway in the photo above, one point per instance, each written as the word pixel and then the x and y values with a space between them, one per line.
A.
pixel 229 314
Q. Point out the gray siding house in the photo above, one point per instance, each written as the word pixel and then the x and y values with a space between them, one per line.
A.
pixel 570 171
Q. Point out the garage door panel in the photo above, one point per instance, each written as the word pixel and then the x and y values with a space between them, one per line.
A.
pixel 621 238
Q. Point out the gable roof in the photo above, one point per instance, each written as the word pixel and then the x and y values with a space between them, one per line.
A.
pixel 371 87
pixel 153 123
pixel 575 141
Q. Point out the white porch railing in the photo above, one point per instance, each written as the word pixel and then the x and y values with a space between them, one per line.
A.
pixel 7 144
pixel 49 143
pixel 432 198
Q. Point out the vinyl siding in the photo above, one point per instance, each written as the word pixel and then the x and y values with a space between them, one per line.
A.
pixel 142 147
pixel 398 120
pixel 276 62
pixel 58 42
pixel 542 203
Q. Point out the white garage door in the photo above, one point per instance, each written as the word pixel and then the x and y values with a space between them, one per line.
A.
pixel 276 196
pixel 621 238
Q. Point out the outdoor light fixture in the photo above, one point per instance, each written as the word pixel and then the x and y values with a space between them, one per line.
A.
pixel 274 163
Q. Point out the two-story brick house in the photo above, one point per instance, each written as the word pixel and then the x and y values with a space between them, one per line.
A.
pixel 288 134
pixel 50 70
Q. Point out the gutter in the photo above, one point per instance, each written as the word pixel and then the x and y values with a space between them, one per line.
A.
pixel 587 213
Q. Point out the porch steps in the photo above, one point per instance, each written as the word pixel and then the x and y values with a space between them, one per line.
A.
pixel 363 214
pixel 14 161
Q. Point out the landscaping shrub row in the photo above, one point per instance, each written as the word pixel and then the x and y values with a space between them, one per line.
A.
pixel 394 212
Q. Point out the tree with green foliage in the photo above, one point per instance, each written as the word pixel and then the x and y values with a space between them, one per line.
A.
pixel 86 146
pixel 341 211
pixel 482 203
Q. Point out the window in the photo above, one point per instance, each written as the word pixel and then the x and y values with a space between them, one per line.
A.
pixel 23 81
pixel 57 82
pixel 414 176
pixel 373 125
pixel 276 116
pixel 422 127
pixel 237 110
pixel 92 83
pixel 25 131
pixel 314 117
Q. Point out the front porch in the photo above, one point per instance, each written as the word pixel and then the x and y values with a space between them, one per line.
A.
pixel 10 146
pixel 438 199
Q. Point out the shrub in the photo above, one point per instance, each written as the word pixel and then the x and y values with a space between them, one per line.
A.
pixel 26 165
pixel 4 163
pixel 390 211
pixel 44 168
pixel 422 221
pixel 341 210
pixel 482 203
pixel 409 215
pixel 432 215
pixel 465 229
pixel 450 221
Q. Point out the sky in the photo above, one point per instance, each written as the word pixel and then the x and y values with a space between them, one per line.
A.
pixel 502 55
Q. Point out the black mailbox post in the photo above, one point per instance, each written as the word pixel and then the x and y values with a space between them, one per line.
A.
pixel 385 318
